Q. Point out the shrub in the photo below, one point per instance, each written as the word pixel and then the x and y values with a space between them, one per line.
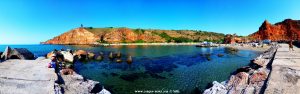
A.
pixel 139 41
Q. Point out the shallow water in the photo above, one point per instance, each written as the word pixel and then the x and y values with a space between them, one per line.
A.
pixel 162 68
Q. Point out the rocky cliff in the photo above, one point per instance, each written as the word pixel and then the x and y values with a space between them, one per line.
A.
pixel 91 35
pixel 285 30
pixel 75 36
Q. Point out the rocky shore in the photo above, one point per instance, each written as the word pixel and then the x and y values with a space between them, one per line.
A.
pixel 191 43
pixel 249 79
pixel 21 73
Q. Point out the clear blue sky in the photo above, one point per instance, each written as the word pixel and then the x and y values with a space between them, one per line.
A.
pixel 34 21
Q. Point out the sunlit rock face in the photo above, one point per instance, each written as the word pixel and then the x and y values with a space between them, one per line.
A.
pixel 285 30
pixel 89 35
pixel 75 36
pixel 120 35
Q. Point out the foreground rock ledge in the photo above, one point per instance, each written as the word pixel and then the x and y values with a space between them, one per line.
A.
pixel 33 77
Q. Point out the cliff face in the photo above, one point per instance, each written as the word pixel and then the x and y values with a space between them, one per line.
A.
pixel 75 36
pixel 285 30
pixel 126 35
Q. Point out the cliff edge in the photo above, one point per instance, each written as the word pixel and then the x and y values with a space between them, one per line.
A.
pixel 286 30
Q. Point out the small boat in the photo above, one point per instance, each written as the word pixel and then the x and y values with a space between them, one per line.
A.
pixel 206 44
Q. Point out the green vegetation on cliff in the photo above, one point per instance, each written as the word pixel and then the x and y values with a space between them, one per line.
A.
pixel 127 35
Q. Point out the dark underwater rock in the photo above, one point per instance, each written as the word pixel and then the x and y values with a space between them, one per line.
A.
pixel 134 76
pixel 130 77
pixel 114 74
pixel 155 75
pixel 160 65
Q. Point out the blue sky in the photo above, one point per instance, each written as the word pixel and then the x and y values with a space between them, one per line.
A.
pixel 34 21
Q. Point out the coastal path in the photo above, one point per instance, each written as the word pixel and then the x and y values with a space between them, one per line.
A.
pixel 285 74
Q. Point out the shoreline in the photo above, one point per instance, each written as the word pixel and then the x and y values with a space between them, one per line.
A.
pixel 237 46
pixel 250 79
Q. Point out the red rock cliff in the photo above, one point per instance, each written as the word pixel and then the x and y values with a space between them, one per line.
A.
pixel 126 35
pixel 75 36
pixel 285 30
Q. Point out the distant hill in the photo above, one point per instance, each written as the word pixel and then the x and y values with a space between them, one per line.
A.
pixel 90 35
pixel 285 30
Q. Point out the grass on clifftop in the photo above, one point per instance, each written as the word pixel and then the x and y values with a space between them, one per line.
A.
pixel 177 36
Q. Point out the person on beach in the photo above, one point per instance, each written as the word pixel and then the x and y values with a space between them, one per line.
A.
pixel 291 46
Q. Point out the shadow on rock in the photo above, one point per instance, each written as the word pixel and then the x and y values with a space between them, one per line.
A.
pixel 97 88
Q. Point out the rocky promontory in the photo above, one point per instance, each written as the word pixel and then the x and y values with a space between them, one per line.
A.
pixel 89 35
pixel 286 30
pixel 75 36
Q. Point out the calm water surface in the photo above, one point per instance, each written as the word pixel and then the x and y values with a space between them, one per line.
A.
pixel 182 68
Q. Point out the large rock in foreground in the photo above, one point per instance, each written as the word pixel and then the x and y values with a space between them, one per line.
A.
pixel 21 53
pixel 6 53
pixel 217 88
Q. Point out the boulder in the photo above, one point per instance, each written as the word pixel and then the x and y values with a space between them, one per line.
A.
pixel 119 55
pixel 111 56
pixel 260 62
pixel 1 54
pixel 81 52
pixel 119 60
pixel 21 53
pixel 240 79
pixel 81 55
pixel 91 55
pixel 217 88
pixel 6 53
pixel 220 55
pixel 129 60
pixel 67 71
pixel 258 77
pixel 50 54
pixel 244 69
pixel 99 58
pixel 67 56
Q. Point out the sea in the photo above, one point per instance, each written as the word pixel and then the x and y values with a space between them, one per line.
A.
pixel 182 69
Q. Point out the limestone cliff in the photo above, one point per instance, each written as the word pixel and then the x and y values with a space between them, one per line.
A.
pixel 286 30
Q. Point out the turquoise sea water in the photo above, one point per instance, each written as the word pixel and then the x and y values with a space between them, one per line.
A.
pixel 155 68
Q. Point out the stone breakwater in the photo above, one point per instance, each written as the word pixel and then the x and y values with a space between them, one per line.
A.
pixel 249 79
pixel 34 77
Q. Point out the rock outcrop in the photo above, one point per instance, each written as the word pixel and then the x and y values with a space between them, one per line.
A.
pixel 230 39
pixel 75 36
pixel 76 84
pixel 17 53
pixel 286 30
pixel 217 88
pixel 6 53
pixel 21 53
pixel 247 80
